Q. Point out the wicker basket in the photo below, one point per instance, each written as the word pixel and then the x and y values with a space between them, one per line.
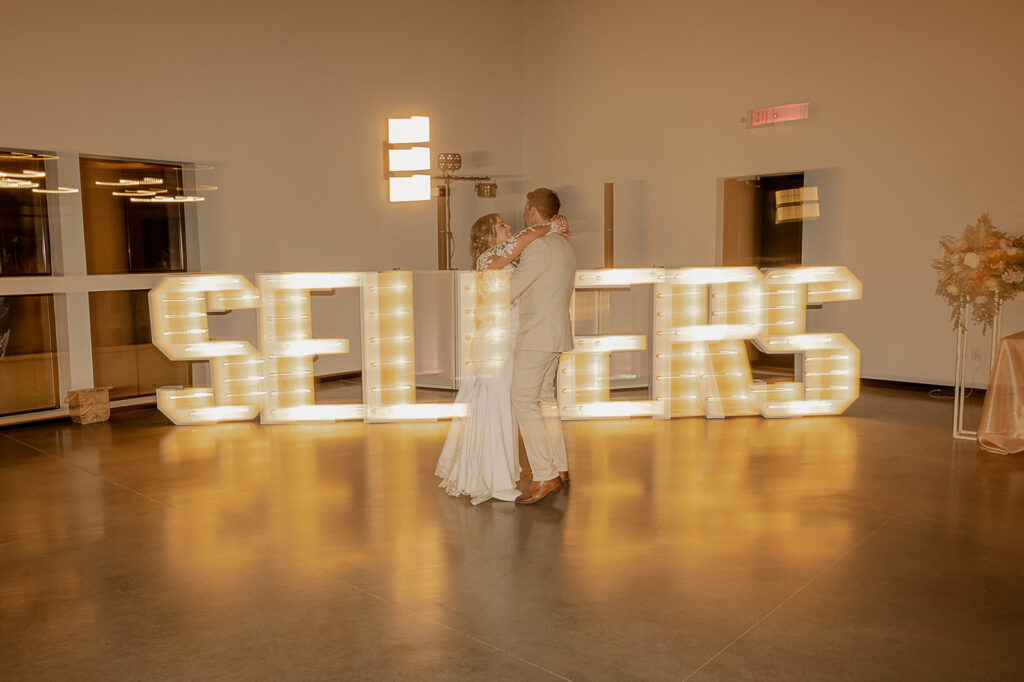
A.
pixel 89 405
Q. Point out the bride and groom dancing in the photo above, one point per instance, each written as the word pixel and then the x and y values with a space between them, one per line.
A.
pixel 480 457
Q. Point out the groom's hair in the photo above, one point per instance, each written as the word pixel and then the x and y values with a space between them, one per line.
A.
pixel 545 201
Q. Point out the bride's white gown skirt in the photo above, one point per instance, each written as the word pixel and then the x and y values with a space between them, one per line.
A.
pixel 480 457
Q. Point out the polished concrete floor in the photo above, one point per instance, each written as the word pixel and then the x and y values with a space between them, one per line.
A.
pixel 866 547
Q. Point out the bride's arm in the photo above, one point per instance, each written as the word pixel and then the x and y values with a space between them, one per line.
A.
pixel 511 248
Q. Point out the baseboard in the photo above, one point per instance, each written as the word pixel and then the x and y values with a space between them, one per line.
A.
pixel 340 376
pixel 13 421
pixel 914 386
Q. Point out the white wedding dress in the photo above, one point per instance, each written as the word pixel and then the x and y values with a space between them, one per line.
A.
pixel 480 457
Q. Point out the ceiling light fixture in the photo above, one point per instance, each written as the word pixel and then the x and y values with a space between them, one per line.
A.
pixel 59 190
pixel 139 192
pixel 131 183
pixel 199 188
pixel 167 200
pixel 26 156
pixel 10 183
pixel 23 174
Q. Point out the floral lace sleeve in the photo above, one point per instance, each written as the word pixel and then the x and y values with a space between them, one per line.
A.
pixel 506 253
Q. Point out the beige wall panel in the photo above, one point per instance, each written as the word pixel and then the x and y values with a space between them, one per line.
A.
pixel 912 125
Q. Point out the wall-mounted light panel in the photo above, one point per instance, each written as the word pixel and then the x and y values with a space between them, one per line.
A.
pixel 800 203
pixel 406 158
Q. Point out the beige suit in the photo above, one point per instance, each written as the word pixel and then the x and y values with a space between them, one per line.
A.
pixel 543 286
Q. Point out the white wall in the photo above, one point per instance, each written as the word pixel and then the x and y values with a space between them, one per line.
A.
pixel 913 124
pixel 914 127
pixel 289 102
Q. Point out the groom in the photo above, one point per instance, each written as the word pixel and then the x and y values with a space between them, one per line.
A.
pixel 543 283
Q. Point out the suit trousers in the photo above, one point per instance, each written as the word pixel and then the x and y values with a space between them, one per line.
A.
pixel 533 397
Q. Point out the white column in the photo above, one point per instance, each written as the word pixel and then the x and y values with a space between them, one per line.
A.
pixel 67 239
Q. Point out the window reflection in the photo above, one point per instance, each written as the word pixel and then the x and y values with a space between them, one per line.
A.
pixel 28 354
pixel 122 350
pixel 24 233
pixel 122 235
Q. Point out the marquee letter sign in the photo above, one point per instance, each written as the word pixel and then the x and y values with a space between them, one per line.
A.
pixel 699 361
pixel 178 307
pixel 286 338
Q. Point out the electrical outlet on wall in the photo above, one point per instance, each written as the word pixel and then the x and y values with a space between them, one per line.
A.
pixel 975 354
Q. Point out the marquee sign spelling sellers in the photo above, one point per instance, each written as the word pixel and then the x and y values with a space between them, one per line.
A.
pixel 699 362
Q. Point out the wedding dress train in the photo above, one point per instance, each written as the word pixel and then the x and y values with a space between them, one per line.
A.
pixel 480 457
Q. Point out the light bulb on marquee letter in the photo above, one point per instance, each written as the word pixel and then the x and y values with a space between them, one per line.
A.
pixel 484 317
pixel 286 339
pixel 700 362
pixel 177 309
pixel 831 377
pixel 584 382
pixel 700 367
pixel 389 373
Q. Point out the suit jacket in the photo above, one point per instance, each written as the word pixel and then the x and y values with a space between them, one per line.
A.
pixel 543 284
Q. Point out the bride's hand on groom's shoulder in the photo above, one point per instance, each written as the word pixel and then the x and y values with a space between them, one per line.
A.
pixel 561 224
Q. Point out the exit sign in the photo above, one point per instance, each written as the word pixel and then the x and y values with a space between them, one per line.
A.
pixel 770 115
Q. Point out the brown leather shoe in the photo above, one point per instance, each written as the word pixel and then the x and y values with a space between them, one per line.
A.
pixel 564 475
pixel 538 490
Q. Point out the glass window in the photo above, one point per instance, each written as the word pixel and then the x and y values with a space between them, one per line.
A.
pixel 123 354
pixel 28 354
pixel 24 231
pixel 129 224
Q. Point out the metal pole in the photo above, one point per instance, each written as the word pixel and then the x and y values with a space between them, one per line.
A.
pixel 443 262
pixel 609 224
pixel 996 331
pixel 960 390
pixel 957 381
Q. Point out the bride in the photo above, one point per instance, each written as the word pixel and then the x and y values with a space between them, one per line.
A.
pixel 480 457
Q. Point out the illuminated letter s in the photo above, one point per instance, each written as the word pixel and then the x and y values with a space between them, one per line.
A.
pixel 178 307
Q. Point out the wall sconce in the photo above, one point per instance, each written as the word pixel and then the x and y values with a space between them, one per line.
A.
pixel 404 154
pixel 796 204
pixel 409 130
pixel 412 159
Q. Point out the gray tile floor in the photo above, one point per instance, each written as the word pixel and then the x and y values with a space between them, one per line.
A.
pixel 868 546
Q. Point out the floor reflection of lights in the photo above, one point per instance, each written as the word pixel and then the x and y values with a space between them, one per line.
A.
pixel 314 493
pixel 674 537
pixel 711 492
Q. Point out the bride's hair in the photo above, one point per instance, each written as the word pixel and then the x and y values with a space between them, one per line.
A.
pixel 481 235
